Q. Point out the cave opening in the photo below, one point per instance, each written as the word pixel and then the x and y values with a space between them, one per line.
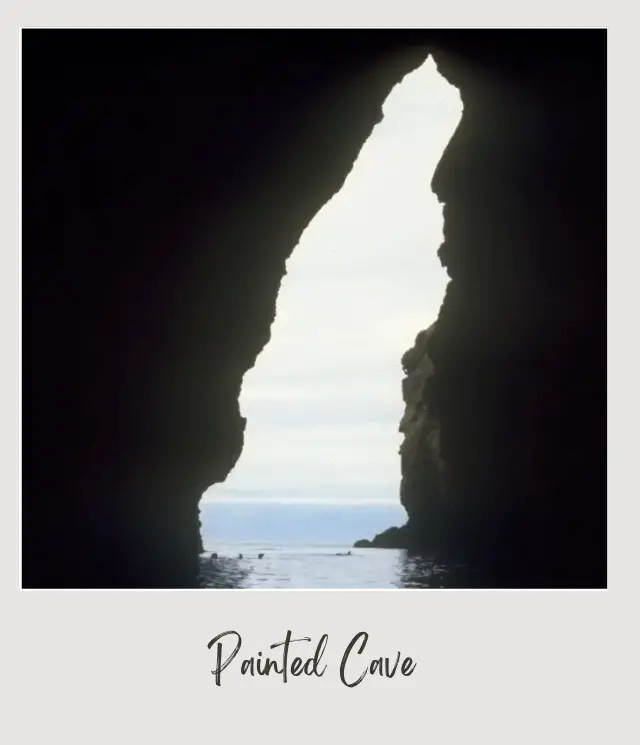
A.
pixel 164 186
pixel 320 463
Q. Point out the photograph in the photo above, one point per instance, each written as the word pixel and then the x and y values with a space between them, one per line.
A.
pixel 313 309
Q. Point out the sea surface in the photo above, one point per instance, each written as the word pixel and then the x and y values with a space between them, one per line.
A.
pixel 304 547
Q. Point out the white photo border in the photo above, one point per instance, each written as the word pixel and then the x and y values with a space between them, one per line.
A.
pixel 513 666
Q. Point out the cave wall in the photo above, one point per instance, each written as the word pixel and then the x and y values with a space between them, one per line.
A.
pixel 517 389
pixel 520 344
pixel 424 491
pixel 166 179
pixel 168 175
pixel 423 486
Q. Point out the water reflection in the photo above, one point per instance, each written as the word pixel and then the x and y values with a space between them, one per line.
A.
pixel 247 566
pixel 421 572
pixel 222 573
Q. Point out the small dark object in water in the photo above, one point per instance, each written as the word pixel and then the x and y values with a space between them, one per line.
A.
pixel 214 555
pixel 260 556
pixel 240 556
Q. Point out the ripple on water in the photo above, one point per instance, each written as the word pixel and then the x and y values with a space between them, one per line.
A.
pixel 290 567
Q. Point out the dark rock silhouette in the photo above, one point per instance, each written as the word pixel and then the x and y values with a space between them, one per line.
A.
pixel 391 538
pixel 165 184
pixel 362 543
pixel 423 491
pixel 501 463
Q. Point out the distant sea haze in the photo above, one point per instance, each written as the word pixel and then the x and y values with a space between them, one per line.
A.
pixel 293 522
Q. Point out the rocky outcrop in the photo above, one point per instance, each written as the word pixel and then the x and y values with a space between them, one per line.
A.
pixel 395 537
pixel 422 489
pixel 166 178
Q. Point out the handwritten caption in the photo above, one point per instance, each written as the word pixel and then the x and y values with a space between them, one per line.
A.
pixel 352 672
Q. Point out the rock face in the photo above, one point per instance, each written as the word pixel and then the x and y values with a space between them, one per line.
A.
pixel 391 538
pixel 165 183
pixel 422 489
pixel 519 345
pixel 500 463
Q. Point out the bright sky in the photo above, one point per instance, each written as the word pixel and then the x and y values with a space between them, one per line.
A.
pixel 324 401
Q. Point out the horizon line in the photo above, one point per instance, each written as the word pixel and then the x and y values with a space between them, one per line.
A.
pixel 269 499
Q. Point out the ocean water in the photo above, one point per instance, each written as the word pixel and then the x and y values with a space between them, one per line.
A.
pixel 316 567
pixel 303 547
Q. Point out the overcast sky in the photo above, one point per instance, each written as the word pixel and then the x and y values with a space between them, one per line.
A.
pixel 324 401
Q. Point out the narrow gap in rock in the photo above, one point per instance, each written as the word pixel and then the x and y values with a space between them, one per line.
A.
pixel 320 465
